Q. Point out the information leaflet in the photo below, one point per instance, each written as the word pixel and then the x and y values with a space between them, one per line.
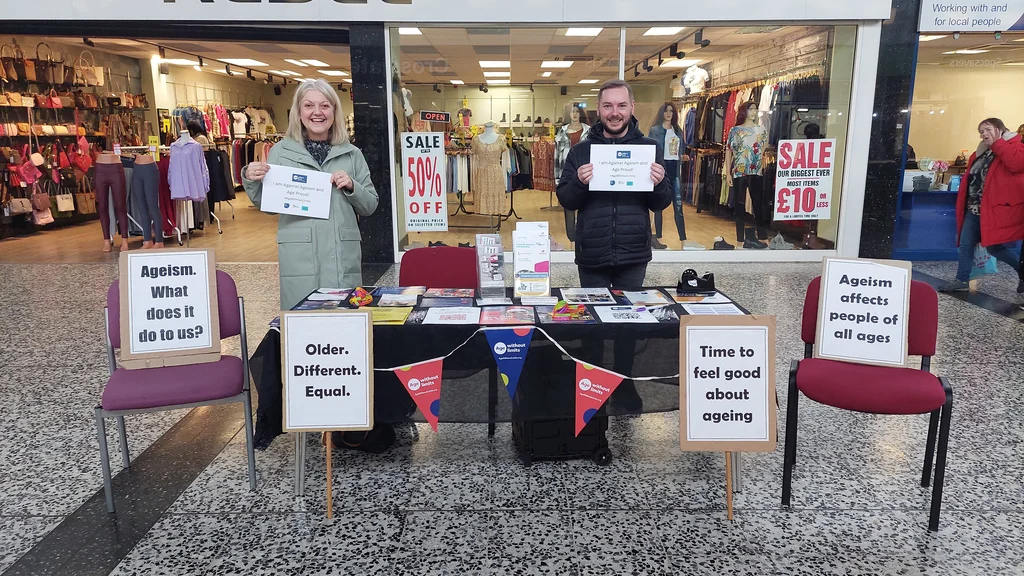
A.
pixel 862 311
pixel 168 308
pixel 423 169
pixel 803 181
pixel 297 192
pixel 622 168
pixel 327 360
pixel 728 401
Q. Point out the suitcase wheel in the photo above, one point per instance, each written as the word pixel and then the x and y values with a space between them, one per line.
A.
pixel 602 456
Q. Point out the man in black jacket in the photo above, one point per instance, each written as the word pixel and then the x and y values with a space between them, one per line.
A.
pixel 613 229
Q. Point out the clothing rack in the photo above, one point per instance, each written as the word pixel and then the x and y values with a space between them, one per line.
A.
pixel 808 70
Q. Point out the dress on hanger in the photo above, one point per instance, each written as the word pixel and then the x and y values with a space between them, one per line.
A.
pixel 489 179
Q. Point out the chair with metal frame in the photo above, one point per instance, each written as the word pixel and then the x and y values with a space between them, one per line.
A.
pixel 877 389
pixel 174 387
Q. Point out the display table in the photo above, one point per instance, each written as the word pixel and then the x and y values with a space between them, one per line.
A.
pixel 470 391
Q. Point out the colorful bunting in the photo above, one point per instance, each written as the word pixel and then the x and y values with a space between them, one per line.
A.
pixel 423 383
pixel 593 388
pixel 509 347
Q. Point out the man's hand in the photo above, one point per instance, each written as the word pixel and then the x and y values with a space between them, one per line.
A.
pixel 586 172
pixel 657 173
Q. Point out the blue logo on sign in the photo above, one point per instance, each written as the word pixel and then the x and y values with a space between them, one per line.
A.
pixel 623 154
pixel 612 183
pixel 286 205
pixel 298 178
pixel 629 183
pixel 305 208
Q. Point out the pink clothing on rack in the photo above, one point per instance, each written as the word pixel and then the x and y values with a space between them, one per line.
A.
pixel 188 175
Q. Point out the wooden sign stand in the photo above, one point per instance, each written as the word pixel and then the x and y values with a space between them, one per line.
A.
pixel 330 477
pixel 728 485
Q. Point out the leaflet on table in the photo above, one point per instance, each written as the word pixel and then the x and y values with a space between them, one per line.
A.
pixel 450 293
pixel 531 252
pixel 538 300
pixel 664 314
pixel 390 316
pixel 318 296
pixel 335 291
pixel 622 168
pixel 398 300
pixel 461 315
pixel 643 297
pixel 417 290
pixel 700 298
pixel 416 317
pixel 587 296
pixel 565 314
pixel 319 305
pixel 493 315
pixel 712 310
pixel 445 302
pixel 490 266
pixel 297 192
pixel 493 301
pixel 625 315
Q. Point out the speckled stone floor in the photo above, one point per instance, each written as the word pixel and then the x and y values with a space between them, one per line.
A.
pixel 457 502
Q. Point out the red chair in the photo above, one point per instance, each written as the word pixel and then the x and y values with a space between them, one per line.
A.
pixel 875 389
pixel 174 387
pixel 440 267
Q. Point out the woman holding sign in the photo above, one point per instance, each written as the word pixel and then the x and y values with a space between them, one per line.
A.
pixel 317 253
pixel 990 204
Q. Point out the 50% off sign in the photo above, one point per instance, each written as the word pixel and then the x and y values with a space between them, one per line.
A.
pixel 423 162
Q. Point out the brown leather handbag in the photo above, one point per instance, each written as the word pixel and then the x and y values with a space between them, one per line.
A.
pixel 44 71
pixel 7 58
pixel 26 68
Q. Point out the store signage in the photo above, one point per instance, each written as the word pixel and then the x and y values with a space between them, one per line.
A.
pixel 435 116
pixel 803 180
pixel 423 167
pixel 863 311
pixel 168 308
pixel 327 365
pixel 728 401
pixel 974 16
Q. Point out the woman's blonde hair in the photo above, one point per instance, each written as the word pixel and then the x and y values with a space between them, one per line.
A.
pixel 296 131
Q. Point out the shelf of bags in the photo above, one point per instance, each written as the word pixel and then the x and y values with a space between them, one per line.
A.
pixel 52 136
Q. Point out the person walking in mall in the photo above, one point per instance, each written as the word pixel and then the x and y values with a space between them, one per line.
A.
pixel 990 204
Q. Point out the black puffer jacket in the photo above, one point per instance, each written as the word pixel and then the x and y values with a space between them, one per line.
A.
pixel 612 228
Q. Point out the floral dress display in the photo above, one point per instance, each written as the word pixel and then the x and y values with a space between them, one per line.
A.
pixel 747 144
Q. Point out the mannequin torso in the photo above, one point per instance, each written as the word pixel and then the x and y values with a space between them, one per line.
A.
pixel 108 158
pixel 489 136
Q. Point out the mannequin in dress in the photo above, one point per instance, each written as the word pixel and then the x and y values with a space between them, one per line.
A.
pixel 574 130
pixel 743 154
pixel 109 183
pixel 667 132
pixel 489 182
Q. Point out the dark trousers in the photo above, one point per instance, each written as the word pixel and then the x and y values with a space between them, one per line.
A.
pixel 755 186
pixel 109 182
pixel 623 348
pixel 672 175
pixel 146 191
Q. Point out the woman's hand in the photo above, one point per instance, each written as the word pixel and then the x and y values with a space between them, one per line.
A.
pixel 257 171
pixel 342 180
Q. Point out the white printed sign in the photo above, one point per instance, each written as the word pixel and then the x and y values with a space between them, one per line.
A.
pixel 803 181
pixel 863 311
pixel 728 401
pixel 297 192
pixel 168 307
pixel 622 168
pixel 327 361
pixel 972 16
pixel 423 169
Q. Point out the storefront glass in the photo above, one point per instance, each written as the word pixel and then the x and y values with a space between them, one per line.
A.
pixel 958 83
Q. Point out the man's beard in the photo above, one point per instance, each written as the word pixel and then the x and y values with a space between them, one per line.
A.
pixel 615 119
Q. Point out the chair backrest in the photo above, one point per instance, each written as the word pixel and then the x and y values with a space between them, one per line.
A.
pixel 924 317
pixel 439 267
pixel 227 308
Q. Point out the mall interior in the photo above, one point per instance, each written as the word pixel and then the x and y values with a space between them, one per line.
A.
pixel 458 500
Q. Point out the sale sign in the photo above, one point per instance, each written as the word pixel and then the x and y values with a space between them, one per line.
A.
pixel 426 203
pixel 803 181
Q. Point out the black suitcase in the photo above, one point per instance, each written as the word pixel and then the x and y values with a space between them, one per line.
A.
pixel 555 440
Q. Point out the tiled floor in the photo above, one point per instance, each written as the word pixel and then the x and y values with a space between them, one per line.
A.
pixel 457 502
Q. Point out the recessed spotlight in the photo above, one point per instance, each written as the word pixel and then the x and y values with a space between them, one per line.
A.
pixel 556 64
pixel 410 32
pixel 930 37
pixel 546 74
pixel 298 63
pixel 457 82
pixel 247 62
pixel 495 64
pixel 589 81
pixel 318 63
pixel 664 31
pixel 583 31
pixel 496 74
pixel 333 72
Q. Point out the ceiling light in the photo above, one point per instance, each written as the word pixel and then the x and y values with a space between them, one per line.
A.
pixel 410 32
pixel 556 64
pixel 495 64
pixel 319 63
pixel 965 51
pixel 244 62
pixel 589 81
pixel 298 63
pixel 647 65
pixel 1013 64
pixel 664 31
pixel 803 110
pixel 681 63
pixel 197 68
pixel 333 72
pixel 285 73
pixel 930 37
pixel 457 82
pixel 583 31
pixel 496 74
pixel 179 61
pixel 595 89
pixel 636 72
pixel 546 74
pixel 348 80
pixel 499 81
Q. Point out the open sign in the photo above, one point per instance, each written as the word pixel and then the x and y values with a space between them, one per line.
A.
pixel 435 116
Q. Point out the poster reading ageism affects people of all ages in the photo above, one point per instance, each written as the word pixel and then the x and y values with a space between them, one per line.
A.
pixel 423 172
pixel 803 181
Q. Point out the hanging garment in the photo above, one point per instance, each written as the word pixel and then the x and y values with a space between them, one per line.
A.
pixel 188 175
pixel 489 179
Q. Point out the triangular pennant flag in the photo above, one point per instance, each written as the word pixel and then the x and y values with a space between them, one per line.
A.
pixel 423 383
pixel 593 388
pixel 509 347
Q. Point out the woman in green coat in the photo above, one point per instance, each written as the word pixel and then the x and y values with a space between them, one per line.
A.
pixel 314 253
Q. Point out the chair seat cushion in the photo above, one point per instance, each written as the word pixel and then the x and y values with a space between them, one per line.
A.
pixel 173 385
pixel 874 389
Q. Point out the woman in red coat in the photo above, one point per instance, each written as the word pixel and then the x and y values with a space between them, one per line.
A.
pixel 990 205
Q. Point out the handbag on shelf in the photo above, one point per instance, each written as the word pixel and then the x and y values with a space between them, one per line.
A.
pixel 14 99
pixel 85 198
pixel 54 100
pixel 44 70
pixel 7 61
pixel 67 99
pixel 40 199
pixel 48 130
pixel 18 205
pixel 141 101
pixel 26 68
pixel 63 161
pixel 86 72
pixel 59 71
pixel 3 97
pixel 41 100
pixel 37 129
pixel 24 128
